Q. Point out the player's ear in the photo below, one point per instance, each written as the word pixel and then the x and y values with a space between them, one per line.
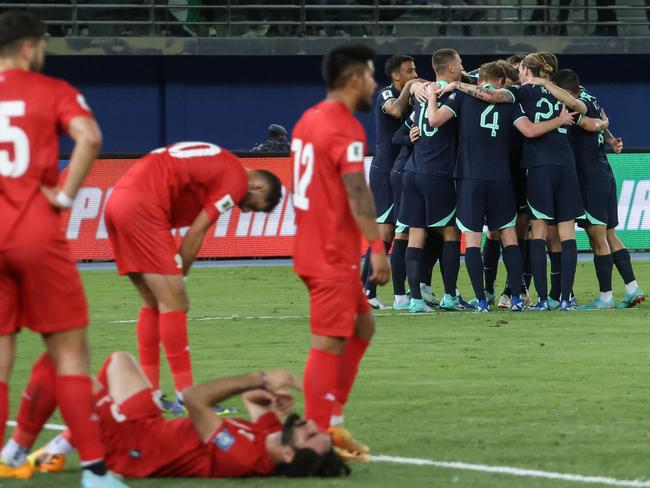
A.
pixel 288 454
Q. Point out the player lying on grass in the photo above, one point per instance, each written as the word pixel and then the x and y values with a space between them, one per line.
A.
pixel 141 443
pixel 186 184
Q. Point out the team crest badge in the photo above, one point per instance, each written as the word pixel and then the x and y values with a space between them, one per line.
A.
pixel 225 204
pixel 224 440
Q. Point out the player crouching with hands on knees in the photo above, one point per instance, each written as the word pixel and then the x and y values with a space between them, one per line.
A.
pixel 141 443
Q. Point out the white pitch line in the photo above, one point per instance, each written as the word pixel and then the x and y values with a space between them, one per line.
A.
pixel 483 468
pixel 267 317
pixel 530 473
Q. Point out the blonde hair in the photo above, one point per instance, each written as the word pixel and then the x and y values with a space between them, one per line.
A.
pixel 491 71
pixel 539 64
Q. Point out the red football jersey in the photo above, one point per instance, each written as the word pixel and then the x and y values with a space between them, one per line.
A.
pixel 34 110
pixel 327 142
pixel 180 180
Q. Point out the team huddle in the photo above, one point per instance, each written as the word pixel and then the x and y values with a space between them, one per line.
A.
pixel 517 146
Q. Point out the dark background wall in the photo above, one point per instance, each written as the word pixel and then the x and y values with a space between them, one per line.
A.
pixel 144 102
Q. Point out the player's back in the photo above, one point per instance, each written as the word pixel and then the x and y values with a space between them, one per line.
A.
pixel 385 127
pixel 34 110
pixel 327 142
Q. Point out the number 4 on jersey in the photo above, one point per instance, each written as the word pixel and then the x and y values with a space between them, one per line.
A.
pixel 494 125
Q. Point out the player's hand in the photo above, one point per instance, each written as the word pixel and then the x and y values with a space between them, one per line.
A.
pixel 617 145
pixel 420 92
pixel 259 397
pixel 283 402
pixel 566 117
pixel 447 89
pixel 380 268
pixel 278 379
pixel 51 193
pixel 414 133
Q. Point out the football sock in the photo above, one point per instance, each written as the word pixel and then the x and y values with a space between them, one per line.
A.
pixel 173 333
pixel 75 399
pixel 568 267
pixel 4 408
pixel 631 287
pixel 604 265
pixel 538 266
pixel 149 344
pixel 366 264
pixel 371 287
pixel 355 348
pixel 556 274
pixel 512 260
pixel 624 266
pixel 13 454
pixel 474 265
pixel 398 266
pixel 37 402
pixel 524 245
pixel 59 445
pixel 413 266
pixel 451 260
pixel 430 256
pixel 319 385
pixel 491 252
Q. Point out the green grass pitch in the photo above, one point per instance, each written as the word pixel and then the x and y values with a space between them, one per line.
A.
pixel 551 391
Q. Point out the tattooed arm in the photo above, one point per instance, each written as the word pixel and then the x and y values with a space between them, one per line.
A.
pixel 488 95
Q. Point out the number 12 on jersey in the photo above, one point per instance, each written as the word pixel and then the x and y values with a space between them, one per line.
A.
pixel 303 170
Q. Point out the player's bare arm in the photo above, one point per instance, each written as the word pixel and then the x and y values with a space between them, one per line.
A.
pixel 192 241
pixel 437 117
pixel 488 95
pixel 88 140
pixel 615 142
pixel 561 94
pixel 591 124
pixel 414 134
pixel 363 211
pixel 531 130
pixel 397 107
pixel 259 402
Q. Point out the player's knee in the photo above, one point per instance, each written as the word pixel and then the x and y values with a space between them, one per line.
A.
pixel 365 326
pixel 120 362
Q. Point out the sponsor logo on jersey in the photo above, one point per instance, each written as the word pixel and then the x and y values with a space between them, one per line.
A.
pixel 387 94
pixel 355 152
pixel 225 204
pixel 224 440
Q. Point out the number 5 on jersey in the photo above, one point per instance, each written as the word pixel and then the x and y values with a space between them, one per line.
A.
pixel 16 167
pixel 303 170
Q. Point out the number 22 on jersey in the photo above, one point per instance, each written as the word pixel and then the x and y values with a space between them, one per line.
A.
pixel 16 167
pixel 303 171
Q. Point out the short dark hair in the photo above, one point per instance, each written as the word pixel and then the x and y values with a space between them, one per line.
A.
pixel 275 188
pixel 394 63
pixel 515 59
pixel 567 79
pixel 511 73
pixel 17 26
pixel 308 463
pixel 491 71
pixel 441 58
pixel 340 62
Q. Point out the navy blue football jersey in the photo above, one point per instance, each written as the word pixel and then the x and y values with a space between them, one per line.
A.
pixel 553 148
pixel 589 147
pixel 485 133
pixel 385 127
pixel 402 138
pixel 434 153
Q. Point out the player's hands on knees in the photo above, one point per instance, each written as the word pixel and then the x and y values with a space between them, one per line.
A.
pixel 380 268
pixel 277 380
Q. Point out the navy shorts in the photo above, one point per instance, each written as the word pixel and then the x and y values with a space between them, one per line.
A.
pixel 519 185
pixel 554 194
pixel 601 206
pixel 485 202
pixel 396 184
pixel 383 194
pixel 427 201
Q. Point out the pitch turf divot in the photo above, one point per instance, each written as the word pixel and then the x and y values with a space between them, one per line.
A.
pixel 483 468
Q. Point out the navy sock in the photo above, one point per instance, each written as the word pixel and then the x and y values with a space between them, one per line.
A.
pixel 398 266
pixel 524 245
pixel 604 265
pixel 538 266
pixel 491 254
pixel 556 274
pixel 451 260
pixel 568 269
pixel 624 265
pixel 474 265
pixel 371 287
pixel 512 260
pixel 366 265
pixel 413 270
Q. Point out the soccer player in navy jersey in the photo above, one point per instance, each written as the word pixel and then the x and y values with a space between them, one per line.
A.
pixel 391 106
pixel 598 188
pixel 484 185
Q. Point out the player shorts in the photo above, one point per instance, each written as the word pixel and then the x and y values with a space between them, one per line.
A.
pixel 40 288
pixel 519 185
pixel 485 202
pixel 427 201
pixel 396 185
pixel 382 192
pixel 334 304
pixel 554 194
pixel 601 207
pixel 141 240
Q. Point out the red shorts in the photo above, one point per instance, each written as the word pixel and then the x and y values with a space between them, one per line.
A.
pixel 141 240
pixel 334 304
pixel 40 288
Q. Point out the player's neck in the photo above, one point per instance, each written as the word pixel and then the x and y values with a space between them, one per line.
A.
pixel 444 78
pixel 274 447
pixel 13 63
pixel 342 97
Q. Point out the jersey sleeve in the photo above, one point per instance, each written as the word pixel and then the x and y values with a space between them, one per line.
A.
pixel 68 105
pixel 229 189
pixel 385 96
pixel 453 103
pixel 269 421
pixel 517 113
pixel 349 150
pixel 517 92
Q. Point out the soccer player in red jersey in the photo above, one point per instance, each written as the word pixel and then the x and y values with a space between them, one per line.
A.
pixel 39 284
pixel 333 208
pixel 141 443
pixel 186 184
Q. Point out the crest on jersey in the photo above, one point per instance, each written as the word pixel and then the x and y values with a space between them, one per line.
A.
pixel 224 440
pixel 225 204
pixel 355 152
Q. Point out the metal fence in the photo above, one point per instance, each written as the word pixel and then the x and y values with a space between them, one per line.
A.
pixel 341 18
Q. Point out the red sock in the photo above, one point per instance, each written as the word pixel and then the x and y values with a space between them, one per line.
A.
pixel 37 403
pixel 149 344
pixel 173 333
pixel 4 409
pixel 319 383
pixel 74 396
pixel 355 348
